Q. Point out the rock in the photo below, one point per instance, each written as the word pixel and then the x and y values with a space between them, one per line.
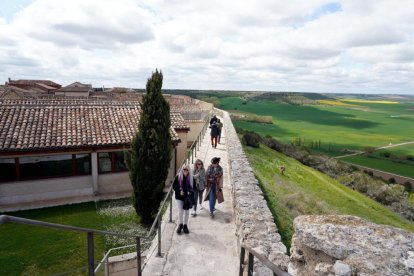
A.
pixel 351 245
pixel 323 269
pixel 342 269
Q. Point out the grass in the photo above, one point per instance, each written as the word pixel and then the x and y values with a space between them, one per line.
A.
pixel 338 128
pixel 400 152
pixel 236 116
pixel 29 250
pixel 382 164
pixel 305 191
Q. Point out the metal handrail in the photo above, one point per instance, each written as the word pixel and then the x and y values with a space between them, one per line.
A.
pixel 169 193
pixel 106 256
pixel 88 231
pixel 277 271
pixel 7 218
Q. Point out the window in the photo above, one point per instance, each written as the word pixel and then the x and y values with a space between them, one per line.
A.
pixel 45 166
pixel 119 161
pixel 83 163
pixel 105 162
pixel 111 162
pixel 37 167
pixel 7 169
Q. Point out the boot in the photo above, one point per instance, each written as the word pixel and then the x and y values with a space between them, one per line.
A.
pixel 180 227
pixel 186 229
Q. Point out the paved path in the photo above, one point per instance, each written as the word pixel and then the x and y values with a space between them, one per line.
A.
pixel 210 248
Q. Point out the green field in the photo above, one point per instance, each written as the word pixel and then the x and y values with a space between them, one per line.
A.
pixel 303 190
pixel 403 169
pixel 29 250
pixel 337 127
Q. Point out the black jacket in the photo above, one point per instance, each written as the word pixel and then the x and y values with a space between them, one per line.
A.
pixel 176 188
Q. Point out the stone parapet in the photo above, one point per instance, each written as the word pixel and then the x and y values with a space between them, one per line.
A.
pixel 254 221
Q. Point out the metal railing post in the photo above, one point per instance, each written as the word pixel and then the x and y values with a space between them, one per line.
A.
pixel 91 265
pixel 138 240
pixel 107 266
pixel 159 236
pixel 250 266
pixel 198 142
pixel 242 252
pixel 171 200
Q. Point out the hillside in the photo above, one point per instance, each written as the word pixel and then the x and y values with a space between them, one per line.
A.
pixel 303 190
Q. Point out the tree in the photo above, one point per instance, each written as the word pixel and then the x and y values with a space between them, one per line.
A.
pixel 150 155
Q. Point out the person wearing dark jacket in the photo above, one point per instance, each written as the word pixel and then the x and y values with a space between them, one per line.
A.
pixel 184 196
pixel 214 133
pixel 213 120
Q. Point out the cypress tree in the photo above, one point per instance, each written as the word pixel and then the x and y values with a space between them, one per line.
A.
pixel 150 155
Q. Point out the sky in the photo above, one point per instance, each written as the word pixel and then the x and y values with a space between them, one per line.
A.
pixel 350 46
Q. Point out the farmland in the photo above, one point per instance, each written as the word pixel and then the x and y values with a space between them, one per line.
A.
pixel 337 126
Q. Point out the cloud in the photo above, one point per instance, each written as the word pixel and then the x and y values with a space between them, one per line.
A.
pixel 314 45
pixel 87 24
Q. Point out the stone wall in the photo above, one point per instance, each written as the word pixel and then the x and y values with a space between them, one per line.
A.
pixel 254 221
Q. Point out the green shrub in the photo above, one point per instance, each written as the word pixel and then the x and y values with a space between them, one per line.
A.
pixel 252 139
pixel 386 154
pixel 408 187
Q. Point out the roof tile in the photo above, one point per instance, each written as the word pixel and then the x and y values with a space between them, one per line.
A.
pixel 53 124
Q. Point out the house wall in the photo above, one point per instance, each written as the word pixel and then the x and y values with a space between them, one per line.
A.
pixel 195 128
pixel 29 194
pixel 21 192
pixel 114 183
pixel 73 94
pixel 182 147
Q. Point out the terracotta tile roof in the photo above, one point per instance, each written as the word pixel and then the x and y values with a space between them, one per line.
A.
pixel 32 82
pixel 27 125
pixel 46 86
pixel 177 121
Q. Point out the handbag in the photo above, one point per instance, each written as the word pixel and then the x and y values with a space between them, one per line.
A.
pixel 189 201
pixel 220 196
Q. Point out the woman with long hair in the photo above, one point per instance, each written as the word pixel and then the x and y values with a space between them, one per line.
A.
pixel 214 177
pixel 199 174
pixel 182 187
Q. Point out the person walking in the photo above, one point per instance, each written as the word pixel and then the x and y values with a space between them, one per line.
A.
pixel 182 187
pixel 214 177
pixel 214 134
pixel 199 174
pixel 213 120
pixel 220 127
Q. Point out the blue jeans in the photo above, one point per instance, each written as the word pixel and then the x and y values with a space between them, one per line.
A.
pixel 212 198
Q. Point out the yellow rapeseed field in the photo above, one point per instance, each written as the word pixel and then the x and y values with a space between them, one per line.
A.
pixel 335 103
pixel 369 101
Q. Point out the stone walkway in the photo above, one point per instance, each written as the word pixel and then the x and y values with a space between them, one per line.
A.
pixel 211 246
